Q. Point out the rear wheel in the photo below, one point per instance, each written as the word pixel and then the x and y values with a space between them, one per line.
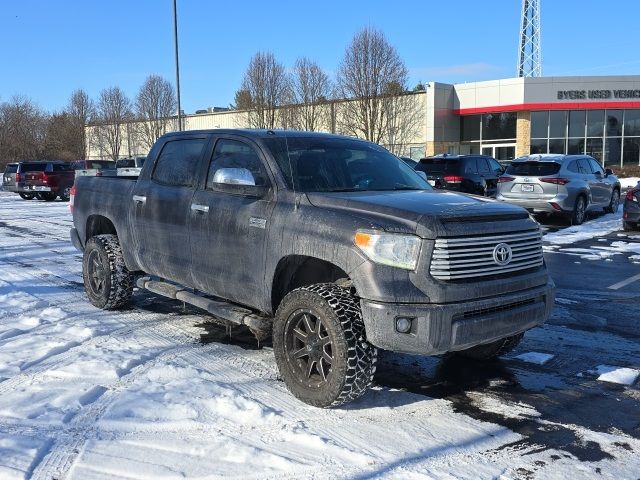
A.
pixel 320 346
pixel 65 194
pixel 107 281
pixel 26 196
pixel 614 203
pixel 492 350
pixel 579 211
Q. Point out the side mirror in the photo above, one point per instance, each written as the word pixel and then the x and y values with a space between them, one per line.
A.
pixel 608 171
pixel 239 181
pixel 234 176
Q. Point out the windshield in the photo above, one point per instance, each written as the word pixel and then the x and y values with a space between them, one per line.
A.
pixel 533 169
pixel 341 165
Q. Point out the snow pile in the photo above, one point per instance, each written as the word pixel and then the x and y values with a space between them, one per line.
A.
pixel 596 227
pixel 535 357
pixel 629 182
pixel 612 374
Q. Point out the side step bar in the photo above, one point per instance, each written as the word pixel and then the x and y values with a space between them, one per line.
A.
pixel 259 325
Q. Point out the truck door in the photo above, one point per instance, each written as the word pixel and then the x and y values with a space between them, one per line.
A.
pixel 229 218
pixel 161 209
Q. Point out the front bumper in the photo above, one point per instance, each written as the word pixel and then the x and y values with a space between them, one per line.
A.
pixel 541 205
pixel 440 328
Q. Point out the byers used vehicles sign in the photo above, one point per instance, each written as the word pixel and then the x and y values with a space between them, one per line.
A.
pixel 596 94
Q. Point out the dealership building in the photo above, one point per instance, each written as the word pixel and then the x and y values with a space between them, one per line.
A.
pixel 599 116
pixel 505 118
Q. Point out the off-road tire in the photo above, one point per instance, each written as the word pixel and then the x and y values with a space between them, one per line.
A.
pixel 576 217
pixel 614 203
pixel 492 350
pixel 354 359
pixel 26 196
pixel 628 226
pixel 107 281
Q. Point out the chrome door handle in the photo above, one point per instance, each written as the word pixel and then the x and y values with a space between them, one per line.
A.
pixel 139 199
pixel 199 208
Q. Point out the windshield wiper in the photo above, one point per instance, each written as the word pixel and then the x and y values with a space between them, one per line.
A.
pixel 401 186
pixel 347 189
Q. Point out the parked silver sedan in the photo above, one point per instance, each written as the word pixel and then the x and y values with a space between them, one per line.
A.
pixel 570 185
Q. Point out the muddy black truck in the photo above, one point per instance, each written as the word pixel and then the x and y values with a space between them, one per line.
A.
pixel 330 244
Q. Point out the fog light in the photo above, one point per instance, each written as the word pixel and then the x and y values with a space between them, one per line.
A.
pixel 403 324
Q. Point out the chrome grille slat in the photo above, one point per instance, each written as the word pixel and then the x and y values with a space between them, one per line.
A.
pixel 469 257
pixel 475 251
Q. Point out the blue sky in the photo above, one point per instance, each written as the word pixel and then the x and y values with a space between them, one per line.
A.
pixel 51 48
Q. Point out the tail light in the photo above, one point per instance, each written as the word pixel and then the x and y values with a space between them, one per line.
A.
pixel 554 180
pixel 453 179
pixel 45 178
pixel 18 177
pixel 99 173
pixel 72 196
pixel 505 179
pixel 631 195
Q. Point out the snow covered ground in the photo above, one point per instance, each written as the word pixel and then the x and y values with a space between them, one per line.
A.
pixel 89 394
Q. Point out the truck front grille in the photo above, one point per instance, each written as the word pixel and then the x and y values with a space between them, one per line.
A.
pixel 471 257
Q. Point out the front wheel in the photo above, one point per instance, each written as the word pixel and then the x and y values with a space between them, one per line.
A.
pixel 614 203
pixel 26 196
pixel 492 350
pixel 107 281
pixel 320 346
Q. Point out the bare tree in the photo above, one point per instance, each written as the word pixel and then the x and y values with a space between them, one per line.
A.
pixel 263 89
pixel 80 111
pixel 155 107
pixel 310 91
pixel 402 117
pixel 113 111
pixel 370 65
pixel 23 128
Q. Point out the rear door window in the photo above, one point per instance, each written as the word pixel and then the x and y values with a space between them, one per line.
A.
pixel 471 166
pixel 438 166
pixel 533 169
pixel 483 166
pixel 177 163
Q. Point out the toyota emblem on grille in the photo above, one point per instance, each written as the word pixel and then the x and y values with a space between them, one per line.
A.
pixel 502 254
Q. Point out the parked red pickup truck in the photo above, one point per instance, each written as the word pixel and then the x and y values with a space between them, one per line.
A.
pixel 51 180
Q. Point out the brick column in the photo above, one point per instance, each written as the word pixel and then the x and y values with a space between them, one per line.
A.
pixel 523 134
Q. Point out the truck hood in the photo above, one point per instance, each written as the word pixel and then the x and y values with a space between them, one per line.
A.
pixel 428 213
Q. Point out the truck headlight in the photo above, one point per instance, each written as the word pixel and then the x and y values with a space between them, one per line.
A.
pixel 394 249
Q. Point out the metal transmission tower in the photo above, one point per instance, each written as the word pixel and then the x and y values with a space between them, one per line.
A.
pixel 529 53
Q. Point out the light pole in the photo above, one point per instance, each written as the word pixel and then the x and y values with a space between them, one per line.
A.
pixel 175 41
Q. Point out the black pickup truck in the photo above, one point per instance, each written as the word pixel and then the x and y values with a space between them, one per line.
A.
pixel 330 244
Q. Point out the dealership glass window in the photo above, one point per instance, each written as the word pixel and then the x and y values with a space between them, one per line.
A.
pixel 576 123
pixel 631 123
pixel 557 123
pixel 540 124
pixel 613 123
pixel 613 150
pixel 496 126
pixel 631 155
pixel 556 145
pixel 595 123
pixel 538 145
pixel 594 148
pixel 470 126
pixel 575 146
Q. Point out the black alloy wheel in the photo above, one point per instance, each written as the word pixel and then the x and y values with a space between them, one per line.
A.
pixel 309 347
pixel 96 273
pixel 579 211
pixel 26 196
